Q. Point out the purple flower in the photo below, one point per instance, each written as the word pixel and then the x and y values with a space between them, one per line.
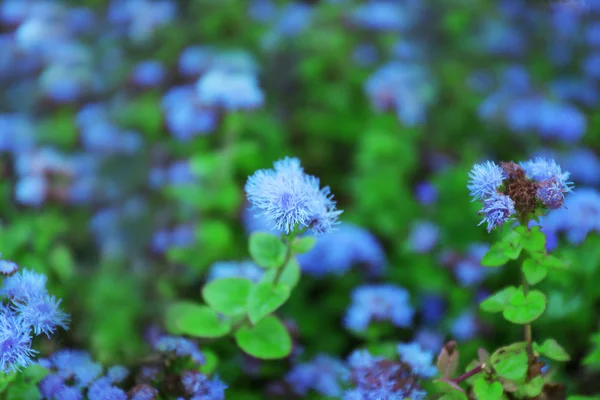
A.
pixel 423 236
pixel 383 302
pixel 144 392
pixel 484 180
pixel 102 389
pixel 497 209
pixel 8 268
pixel 323 374
pixel 230 90
pixel 25 286
pixel 421 361
pixel 149 73
pixel 290 199
pixel 180 347
pixel 43 313
pixel 15 342
pixel 200 387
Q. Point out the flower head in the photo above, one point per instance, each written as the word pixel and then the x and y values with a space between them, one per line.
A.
pixel 419 360
pixel 43 313
pixel 24 286
pixel 288 198
pixel 199 386
pixel 484 180
pixel 15 342
pixel 497 209
pixel 323 374
pixel 8 268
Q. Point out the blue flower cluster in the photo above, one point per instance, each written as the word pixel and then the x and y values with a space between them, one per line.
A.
pixel 30 310
pixel 323 374
pixel 336 252
pixel 290 199
pixel 486 183
pixel 378 303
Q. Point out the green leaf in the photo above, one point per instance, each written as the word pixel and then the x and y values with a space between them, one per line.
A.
pixel 551 349
pixel 533 388
pixel 265 298
pixel 267 250
pixel 498 301
pixel 303 244
pixel 510 362
pixel 269 339
pixel 495 257
pixel 523 309
pixel 211 361
pixel 534 271
pixel 534 241
pixel 452 390
pixel 196 320
pixel 554 262
pixel 512 245
pixel 227 296
pixel 290 275
pixel 484 390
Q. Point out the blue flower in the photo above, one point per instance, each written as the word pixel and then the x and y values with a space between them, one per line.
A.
pixel 484 180
pixel 200 387
pixel 51 385
pixel 290 199
pixel 144 392
pixel 497 209
pixel 383 302
pixel 117 373
pixel 180 347
pixel 420 361
pixel 426 193
pixel 75 364
pixel 102 389
pixel 15 342
pixel 336 252
pixel 433 308
pixel 376 378
pixel 194 60
pixel 8 268
pixel 43 313
pixel 235 269
pixel 464 326
pixel 31 190
pixel 149 73
pixel 423 236
pixel 323 374
pixel 23 287
pixel 229 90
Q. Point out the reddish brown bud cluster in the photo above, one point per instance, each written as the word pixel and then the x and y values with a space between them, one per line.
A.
pixel 520 189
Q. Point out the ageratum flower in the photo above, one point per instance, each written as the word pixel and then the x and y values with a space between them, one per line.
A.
pixel 553 182
pixel 484 180
pixel 15 341
pixel 323 374
pixel 382 302
pixel 420 361
pixel 497 209
pixel 289 199
pixel 199 386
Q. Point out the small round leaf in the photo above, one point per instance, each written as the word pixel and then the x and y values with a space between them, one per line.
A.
pixel 195 320
pixel 523 309
pixel 267 340
pixel 267 250
pixel 265 298
pixel 227 296
pixel 498 301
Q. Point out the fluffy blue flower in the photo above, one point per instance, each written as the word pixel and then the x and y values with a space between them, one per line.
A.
pixel 117 373
pixel 25 286
pixel 464 326
pixel 290 199
pixel 15 342
pixel 383 302
pixel 484 180
pixel 31 190
pixel 149 73
pixel 229 90
pixel 336 252
pixel 75 364
pixel 194 60
pixel 43 313
pixel 376 378
pixel 180 347
pixel 426 193
pixel 497 209
pixel 423 236
pixel 144 392
pixel 469 270
pixel 102 389
pixel 323 374
pixel 51 385
pixel 235 269
pixel 385 15
pixel 185 117
pixel 8 268
pixel 200 387
pixel 420 361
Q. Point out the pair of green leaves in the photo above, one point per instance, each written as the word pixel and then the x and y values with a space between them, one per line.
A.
pixel 269 251
pixel 516 306
pixel 511 246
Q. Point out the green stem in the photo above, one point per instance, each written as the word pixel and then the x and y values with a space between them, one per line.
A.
pixel 528 332
pixel 286 260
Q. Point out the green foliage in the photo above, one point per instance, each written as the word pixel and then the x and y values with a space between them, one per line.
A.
pixel 534 270
pixel 268 339
pixel 264 298
pixel 290 276
pixel 303 244
pixel 228 296
pixel 525 308
pixel 196 320
pixel 267 250
pixel 510 362
pixel 552 350
pixel 499 300
pixel 485 390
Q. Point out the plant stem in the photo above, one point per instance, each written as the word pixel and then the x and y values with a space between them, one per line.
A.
pixel 286 260
pixel 469 374
pixel 528 333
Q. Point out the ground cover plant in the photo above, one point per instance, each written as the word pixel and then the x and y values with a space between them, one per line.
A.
pixel 286 199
